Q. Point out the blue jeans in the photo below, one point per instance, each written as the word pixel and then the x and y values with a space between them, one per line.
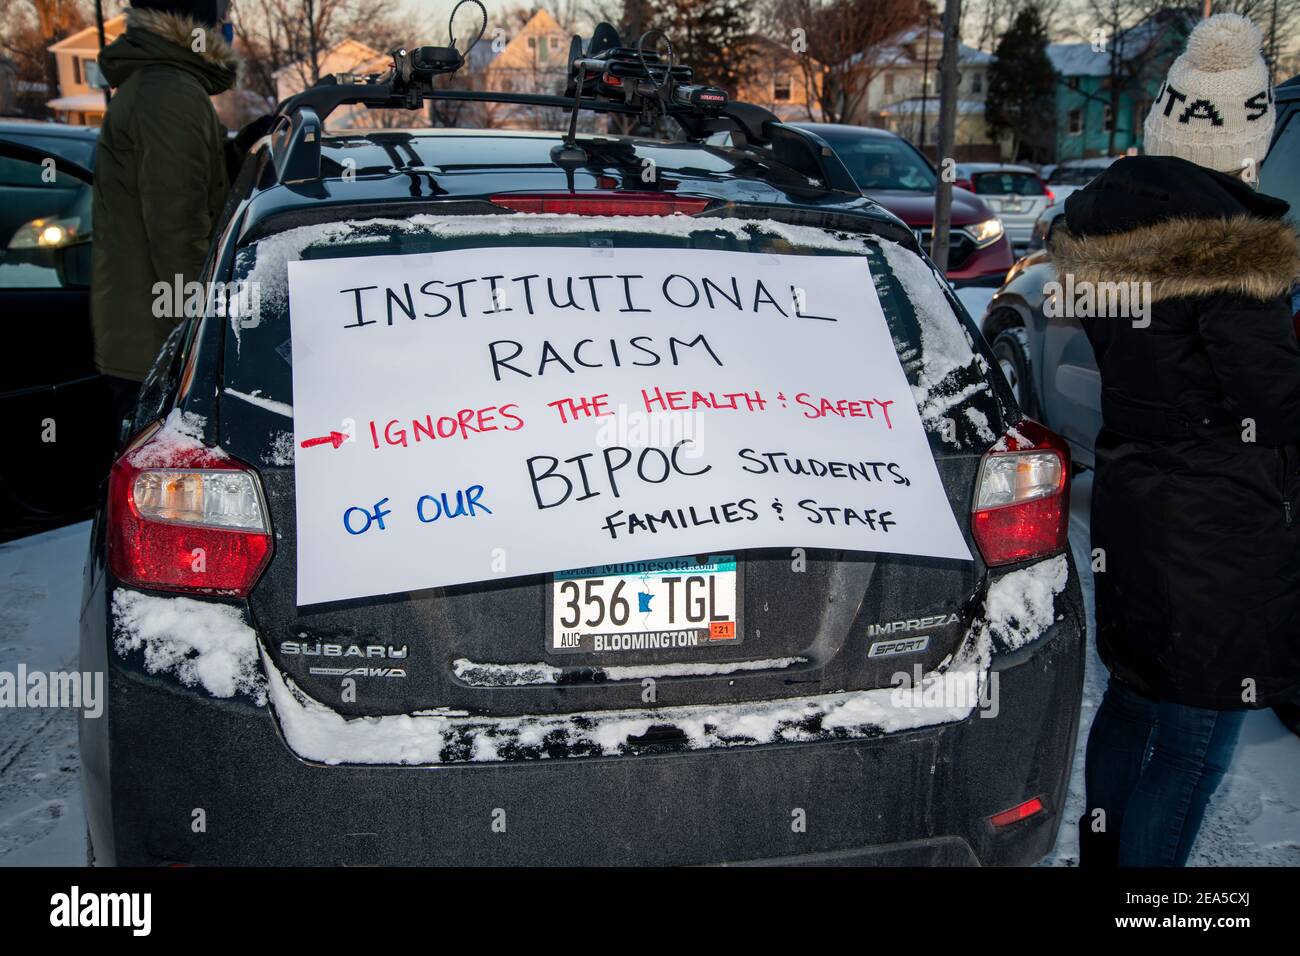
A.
pixel 1152 767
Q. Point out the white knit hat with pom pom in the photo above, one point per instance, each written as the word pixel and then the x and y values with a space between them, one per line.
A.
pixel 1215 108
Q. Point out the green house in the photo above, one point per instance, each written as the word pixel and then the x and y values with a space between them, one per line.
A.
pixel 1090 119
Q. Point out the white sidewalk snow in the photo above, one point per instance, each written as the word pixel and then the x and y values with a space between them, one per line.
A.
pixel 976 299
pixel 1254 819
pixel 42 822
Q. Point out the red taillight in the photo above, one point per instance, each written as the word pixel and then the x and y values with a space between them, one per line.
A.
pixel 182 517
pixel 1022 498
pixel 611 203
pixel 1051 196
pixel 1017 813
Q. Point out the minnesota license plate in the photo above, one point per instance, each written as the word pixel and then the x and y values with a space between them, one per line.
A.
pixel 664 604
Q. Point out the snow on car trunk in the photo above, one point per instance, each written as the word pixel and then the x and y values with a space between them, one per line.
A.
pixel 1020 608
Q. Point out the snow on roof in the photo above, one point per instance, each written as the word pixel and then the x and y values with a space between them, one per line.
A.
pixel 1081 59
pixel 930 104
pixel 907 49
pixel 969 54
pixel 758 45
pixel 1078 59
pixel 80 102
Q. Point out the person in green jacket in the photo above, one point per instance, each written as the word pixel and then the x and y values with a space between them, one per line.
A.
pixel 160 180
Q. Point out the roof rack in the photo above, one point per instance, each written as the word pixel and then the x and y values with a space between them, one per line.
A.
pixel 604 77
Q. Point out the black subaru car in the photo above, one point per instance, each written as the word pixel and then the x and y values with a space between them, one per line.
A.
pixel 845 706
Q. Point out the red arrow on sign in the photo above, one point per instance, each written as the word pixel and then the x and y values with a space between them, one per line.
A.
pixel 333 438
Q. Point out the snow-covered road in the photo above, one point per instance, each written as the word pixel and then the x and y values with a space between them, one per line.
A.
pixel 1253 821
pixel 42 822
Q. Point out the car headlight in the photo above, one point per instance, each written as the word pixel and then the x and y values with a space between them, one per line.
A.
pixel 46 234
pixel 987 232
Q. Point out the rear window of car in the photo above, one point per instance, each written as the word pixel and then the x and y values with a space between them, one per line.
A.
pixel 949 379
pixel 882 163
pixel 1074 175
pixel 1007 184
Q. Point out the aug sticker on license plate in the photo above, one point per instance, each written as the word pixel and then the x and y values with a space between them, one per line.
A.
pixel 664 604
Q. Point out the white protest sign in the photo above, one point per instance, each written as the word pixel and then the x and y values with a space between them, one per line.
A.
pixel 480 414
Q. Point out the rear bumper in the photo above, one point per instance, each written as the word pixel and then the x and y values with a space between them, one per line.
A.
pixel 165 757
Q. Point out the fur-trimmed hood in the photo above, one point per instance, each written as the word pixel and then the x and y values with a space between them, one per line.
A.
pixel 156 36
pixel 1186 229
pixel 1244 255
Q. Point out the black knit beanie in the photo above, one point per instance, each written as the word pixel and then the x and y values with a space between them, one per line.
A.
pixel 206 12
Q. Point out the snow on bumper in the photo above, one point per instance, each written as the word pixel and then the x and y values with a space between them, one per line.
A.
pixel 1019 609
pixel 201 643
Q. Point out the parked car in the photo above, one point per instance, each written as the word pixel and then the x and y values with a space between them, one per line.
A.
pixel 51 395
pixel 897 175
pixel 73 143
pixel 709 770
pixel 1015 193
pixel 1049 361
pixel 1074 174
pixel 1049 220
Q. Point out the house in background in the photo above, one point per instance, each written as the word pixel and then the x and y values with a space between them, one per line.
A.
pixel 533 59
pixel 80 101
pixel 1137 61
pixel 903 97
pixel 348 56
pixel 780 82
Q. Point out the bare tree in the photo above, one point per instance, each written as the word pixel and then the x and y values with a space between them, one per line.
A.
pixel 1138 38
pixel 948 74
pixel 28 27
pixel 275 34
pixel 503 62
pixel 983 24
pixel 1278 20
pixel 630 17
pixel 845 44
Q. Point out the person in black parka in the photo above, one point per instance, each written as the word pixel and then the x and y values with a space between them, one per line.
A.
pixel 1196 497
